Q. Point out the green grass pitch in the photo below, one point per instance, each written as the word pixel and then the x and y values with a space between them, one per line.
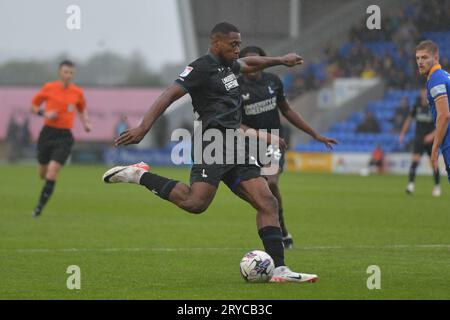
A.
pixel 129 244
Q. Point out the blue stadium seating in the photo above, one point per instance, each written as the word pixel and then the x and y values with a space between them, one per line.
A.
pixel 351 141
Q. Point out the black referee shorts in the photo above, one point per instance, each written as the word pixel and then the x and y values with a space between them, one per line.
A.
pixel 54 144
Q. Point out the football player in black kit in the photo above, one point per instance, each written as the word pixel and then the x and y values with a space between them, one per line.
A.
pixel 423 140
pixel 212 84
pixel 262 99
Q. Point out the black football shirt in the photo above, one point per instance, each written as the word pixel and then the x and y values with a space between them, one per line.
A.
pixel 260 100
pixel 424 120
pixel 214 90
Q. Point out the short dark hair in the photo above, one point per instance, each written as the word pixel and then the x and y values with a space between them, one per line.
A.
pixel 67 63
pixel 429 45
pixel 252 49
pixel 224 28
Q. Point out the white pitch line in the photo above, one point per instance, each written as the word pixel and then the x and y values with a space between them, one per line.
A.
pixel 392 246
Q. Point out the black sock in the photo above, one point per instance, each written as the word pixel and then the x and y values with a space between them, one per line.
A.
pixel 282 225
pixel 46 192
pixel 273 243
pixel 437 177
pixel 158 185
pixel 412 171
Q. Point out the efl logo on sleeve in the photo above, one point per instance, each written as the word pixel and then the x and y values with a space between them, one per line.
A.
pixel 186 72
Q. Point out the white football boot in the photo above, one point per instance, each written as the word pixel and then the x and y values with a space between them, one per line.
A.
pixel 127 174
pixel 410 188
pixel 436 191
pixel 284 274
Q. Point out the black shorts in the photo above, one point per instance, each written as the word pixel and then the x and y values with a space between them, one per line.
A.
pixel 230 174
pixel 54 144
pixel 276 157
pixel 230 171
pixel 420 147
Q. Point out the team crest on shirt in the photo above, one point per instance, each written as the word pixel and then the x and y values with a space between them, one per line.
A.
pixel 246 96
pixel 270 90
pixel 186 71
pixel 70 108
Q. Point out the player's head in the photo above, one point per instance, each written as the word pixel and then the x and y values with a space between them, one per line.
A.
pixel 252 51
pixel 66 71
pixel 427 55
pixel 225 42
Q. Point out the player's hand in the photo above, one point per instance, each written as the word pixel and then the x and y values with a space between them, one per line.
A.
pixel 429 138
pixel 131 136
pixel 329 142
pixel 435 157
pixel 291 59
pixel 88 127
pixel 281 143
pixel 51 115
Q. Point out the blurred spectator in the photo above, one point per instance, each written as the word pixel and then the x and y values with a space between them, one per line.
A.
pixel 121 125
pixel 368 72
pixel 369 124
pixel 13 139
pixel 377 159
pixel 402 28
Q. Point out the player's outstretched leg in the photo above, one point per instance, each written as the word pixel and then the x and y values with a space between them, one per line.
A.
pixel 258 194
pixel 194 199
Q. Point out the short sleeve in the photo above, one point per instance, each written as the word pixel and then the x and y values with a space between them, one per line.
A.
pixel 438 87
pixel 41 96
pixel 191 78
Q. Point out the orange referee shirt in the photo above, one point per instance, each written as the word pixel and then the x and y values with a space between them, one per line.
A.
pixel 64 101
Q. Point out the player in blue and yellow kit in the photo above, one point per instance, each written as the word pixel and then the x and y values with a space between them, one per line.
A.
pixel 438 87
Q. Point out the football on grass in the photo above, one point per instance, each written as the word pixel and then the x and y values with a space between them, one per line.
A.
pixel 257 266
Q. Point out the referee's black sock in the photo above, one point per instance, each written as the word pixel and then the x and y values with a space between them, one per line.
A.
pixel 412 171
pixel 273 243
pixel 437 177
pixel 46 192
pixel 158 185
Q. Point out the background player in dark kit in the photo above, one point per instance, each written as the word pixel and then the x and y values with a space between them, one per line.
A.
pixel 211 82
pixel 262 98
pixel 423 140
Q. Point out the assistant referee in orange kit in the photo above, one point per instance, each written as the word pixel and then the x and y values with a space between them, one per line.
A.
pixel 62 99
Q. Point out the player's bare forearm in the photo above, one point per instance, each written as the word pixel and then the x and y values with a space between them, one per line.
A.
pixel 406 126
pixel 441 129
pixel 264 135
pixel 295 119
pixel 257 63
pixel 169 96
pixel 84 116
pixel 135 135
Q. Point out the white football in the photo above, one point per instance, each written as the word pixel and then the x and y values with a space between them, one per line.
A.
pixel 257 266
